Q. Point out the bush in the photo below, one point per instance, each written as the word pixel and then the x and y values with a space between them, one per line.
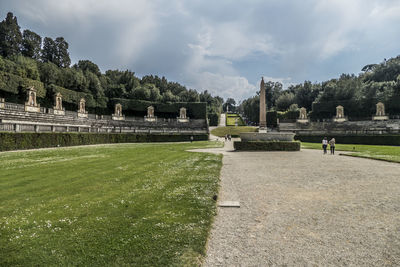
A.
pixel 16 141
pixel 213 119
pixel 271 119
pixel 393 140
pixel 267 146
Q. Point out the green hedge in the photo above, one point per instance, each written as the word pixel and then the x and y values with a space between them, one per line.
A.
pixel 353 139
pixel 271 118
pixel 139 108
pixel 267 146
pixel 17 141
pixel 12 83
pixel 213 119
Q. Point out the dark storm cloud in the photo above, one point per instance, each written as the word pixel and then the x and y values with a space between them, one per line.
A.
pixel 222 46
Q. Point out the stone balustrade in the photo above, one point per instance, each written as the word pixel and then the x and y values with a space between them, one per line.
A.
pixel 14 118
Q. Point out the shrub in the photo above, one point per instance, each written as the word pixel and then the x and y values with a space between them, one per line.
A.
pixel 271 119
pixel 267 146
pixel 16 141
pixel 213 119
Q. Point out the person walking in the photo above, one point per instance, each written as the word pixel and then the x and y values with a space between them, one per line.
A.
pixel 332 143
pixel 324 144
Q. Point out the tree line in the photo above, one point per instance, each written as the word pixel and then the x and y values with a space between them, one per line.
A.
pixel 25 54
pixel 357 93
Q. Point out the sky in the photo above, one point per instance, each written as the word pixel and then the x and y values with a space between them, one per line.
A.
pixel 223 46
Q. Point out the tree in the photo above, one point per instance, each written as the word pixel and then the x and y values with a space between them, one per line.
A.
pixel 49 50
pixel 10 36
pixel 61 58
pixel 272 91
pixel 230 105
pixel 284 101
pixel 87 65
pixel 31 44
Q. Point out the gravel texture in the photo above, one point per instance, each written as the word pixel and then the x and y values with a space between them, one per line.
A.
pixel 306 209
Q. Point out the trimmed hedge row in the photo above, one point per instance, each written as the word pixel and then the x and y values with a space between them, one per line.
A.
pixel 393 140
pixel 11 84
pixel 17 141
pixel 267 146
pixel 139 107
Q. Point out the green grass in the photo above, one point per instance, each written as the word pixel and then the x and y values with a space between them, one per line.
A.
pixel 388 153
pixel 234 131
pixel 231 118
pixel 107 205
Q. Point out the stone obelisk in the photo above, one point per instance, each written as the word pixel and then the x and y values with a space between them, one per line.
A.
pixel 263 117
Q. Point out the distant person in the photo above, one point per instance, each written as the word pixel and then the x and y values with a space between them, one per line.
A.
pixel 332 143
pixel 324 144
pixel 229 137
pixel 226 137
pixel 191 138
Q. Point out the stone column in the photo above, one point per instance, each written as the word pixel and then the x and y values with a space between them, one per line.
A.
pixel 263 116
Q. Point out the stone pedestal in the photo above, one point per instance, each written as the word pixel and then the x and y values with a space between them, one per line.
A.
pixel 343 119
pixel 380 118
pixel 59 112
pixel 150 119
pixel 182 120
pixel 83 115
pixel 117 117
pixel 303 121
pixel 32 108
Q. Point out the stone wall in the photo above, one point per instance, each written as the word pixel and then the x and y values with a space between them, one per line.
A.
pixel 14 118
pixel 347 127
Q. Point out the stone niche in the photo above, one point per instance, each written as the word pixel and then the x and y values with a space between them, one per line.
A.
pixel 182 115
pixel 117 116
pixel 2 102
pixel 303 116
pixel 82 113
pixel 150 115
pixel 339 114
pixel 58 108
pixel 31 105
pixel 380 113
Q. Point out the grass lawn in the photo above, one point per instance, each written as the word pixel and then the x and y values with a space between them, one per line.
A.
pixel 123 204
pixel 232 130
pixel 389 153
pixel 231 118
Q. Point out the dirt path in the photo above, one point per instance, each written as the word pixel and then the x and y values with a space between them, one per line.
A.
pixel 305 208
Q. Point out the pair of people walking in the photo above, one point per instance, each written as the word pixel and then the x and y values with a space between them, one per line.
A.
pixel 331 143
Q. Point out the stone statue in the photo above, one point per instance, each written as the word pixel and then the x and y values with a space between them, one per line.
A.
pixel 82 103
pixel 82 113
pixel 339 112
pixel 380 109
pixel 58 100
pixel 118 113
pixel 150 112
pixel 31 105
pixel 150 115
pixel 182 113
pixel 380 113
pixel 303 114
pixel 118 109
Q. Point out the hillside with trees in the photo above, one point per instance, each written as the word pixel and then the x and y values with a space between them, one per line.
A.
pixel 358 94
pixel 27 59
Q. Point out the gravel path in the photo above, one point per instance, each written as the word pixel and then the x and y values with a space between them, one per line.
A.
pixel 305 209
